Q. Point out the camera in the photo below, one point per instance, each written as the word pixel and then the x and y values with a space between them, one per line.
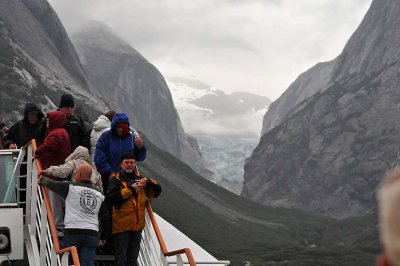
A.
pixel 130 182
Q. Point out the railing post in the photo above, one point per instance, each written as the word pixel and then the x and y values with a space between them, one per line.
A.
pixel 163 258
pixel 53 254
pixel 17 177
pixel 179 261
pixel 34 201
pixel 29 212
pixel 43 233
pixel 65 258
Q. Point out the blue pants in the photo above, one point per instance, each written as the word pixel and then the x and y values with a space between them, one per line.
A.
pixel 86 246
pixel 127 247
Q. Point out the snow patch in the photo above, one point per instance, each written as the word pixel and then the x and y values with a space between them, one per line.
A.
pixel 197 120
pixel 26 77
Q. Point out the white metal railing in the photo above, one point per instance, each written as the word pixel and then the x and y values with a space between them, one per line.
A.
pixel 153 249
pixel 43 247
pixel 150 252
pixel 38 239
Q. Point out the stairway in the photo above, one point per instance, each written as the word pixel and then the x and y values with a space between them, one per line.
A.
pixel 39 233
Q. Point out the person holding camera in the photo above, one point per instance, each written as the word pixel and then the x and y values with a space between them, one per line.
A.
pixel 128 194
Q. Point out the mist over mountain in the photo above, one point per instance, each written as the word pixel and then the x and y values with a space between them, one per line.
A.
pixel 207 111
pixel 127 81
pixel 332 135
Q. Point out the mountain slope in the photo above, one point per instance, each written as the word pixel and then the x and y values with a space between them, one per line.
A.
pixel 236 229
pixel 331 150
pixel 127 81
pixel 307 84
pixel 37 60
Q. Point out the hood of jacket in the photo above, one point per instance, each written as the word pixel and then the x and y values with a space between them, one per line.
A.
pixel 119 118
pixel 32 107
pixel 101 123
pixel 79 153
pixel 57 119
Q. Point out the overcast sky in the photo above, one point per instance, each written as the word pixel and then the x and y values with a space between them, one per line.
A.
pixel 258 46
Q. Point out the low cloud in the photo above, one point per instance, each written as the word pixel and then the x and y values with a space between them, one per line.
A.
pixel 258 46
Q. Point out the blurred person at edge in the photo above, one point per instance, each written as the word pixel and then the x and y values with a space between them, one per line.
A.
pixel 3 131
pixel 389 218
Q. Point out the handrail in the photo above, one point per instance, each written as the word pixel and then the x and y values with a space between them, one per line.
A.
pixel 162 242
pixel 160 238
pixel 50 217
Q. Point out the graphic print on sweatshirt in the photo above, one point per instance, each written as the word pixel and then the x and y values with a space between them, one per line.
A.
pixel 88 201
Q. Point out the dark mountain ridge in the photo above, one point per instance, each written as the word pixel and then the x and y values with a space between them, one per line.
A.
pixel 38 62
pixel 330 151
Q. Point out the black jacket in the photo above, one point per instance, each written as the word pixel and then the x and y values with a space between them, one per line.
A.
pixel 79 134
pixel 22 131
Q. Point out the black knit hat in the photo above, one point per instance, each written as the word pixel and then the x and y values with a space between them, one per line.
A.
pixel 67 100
pixel 127 155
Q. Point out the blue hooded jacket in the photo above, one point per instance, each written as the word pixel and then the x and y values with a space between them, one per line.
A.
pixel 110 147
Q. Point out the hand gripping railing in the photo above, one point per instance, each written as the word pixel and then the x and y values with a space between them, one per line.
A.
pixel 37 216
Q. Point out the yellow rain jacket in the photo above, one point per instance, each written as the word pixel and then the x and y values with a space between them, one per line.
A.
pixel 128 205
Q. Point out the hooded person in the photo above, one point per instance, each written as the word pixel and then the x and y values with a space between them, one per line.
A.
pixel 54 150
pixel 3 131
pixel 101 125
pixel 113 143
pixel 24 130
pixel 21 133
pixel 56 146
pixel 78 157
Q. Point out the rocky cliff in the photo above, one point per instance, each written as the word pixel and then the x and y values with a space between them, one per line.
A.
pixel 328 153
pixel 307 84
pixel 127 81
pixel 37 60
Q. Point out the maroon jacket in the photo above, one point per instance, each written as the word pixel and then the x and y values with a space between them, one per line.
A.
pixel 56 146
pixel 383 261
